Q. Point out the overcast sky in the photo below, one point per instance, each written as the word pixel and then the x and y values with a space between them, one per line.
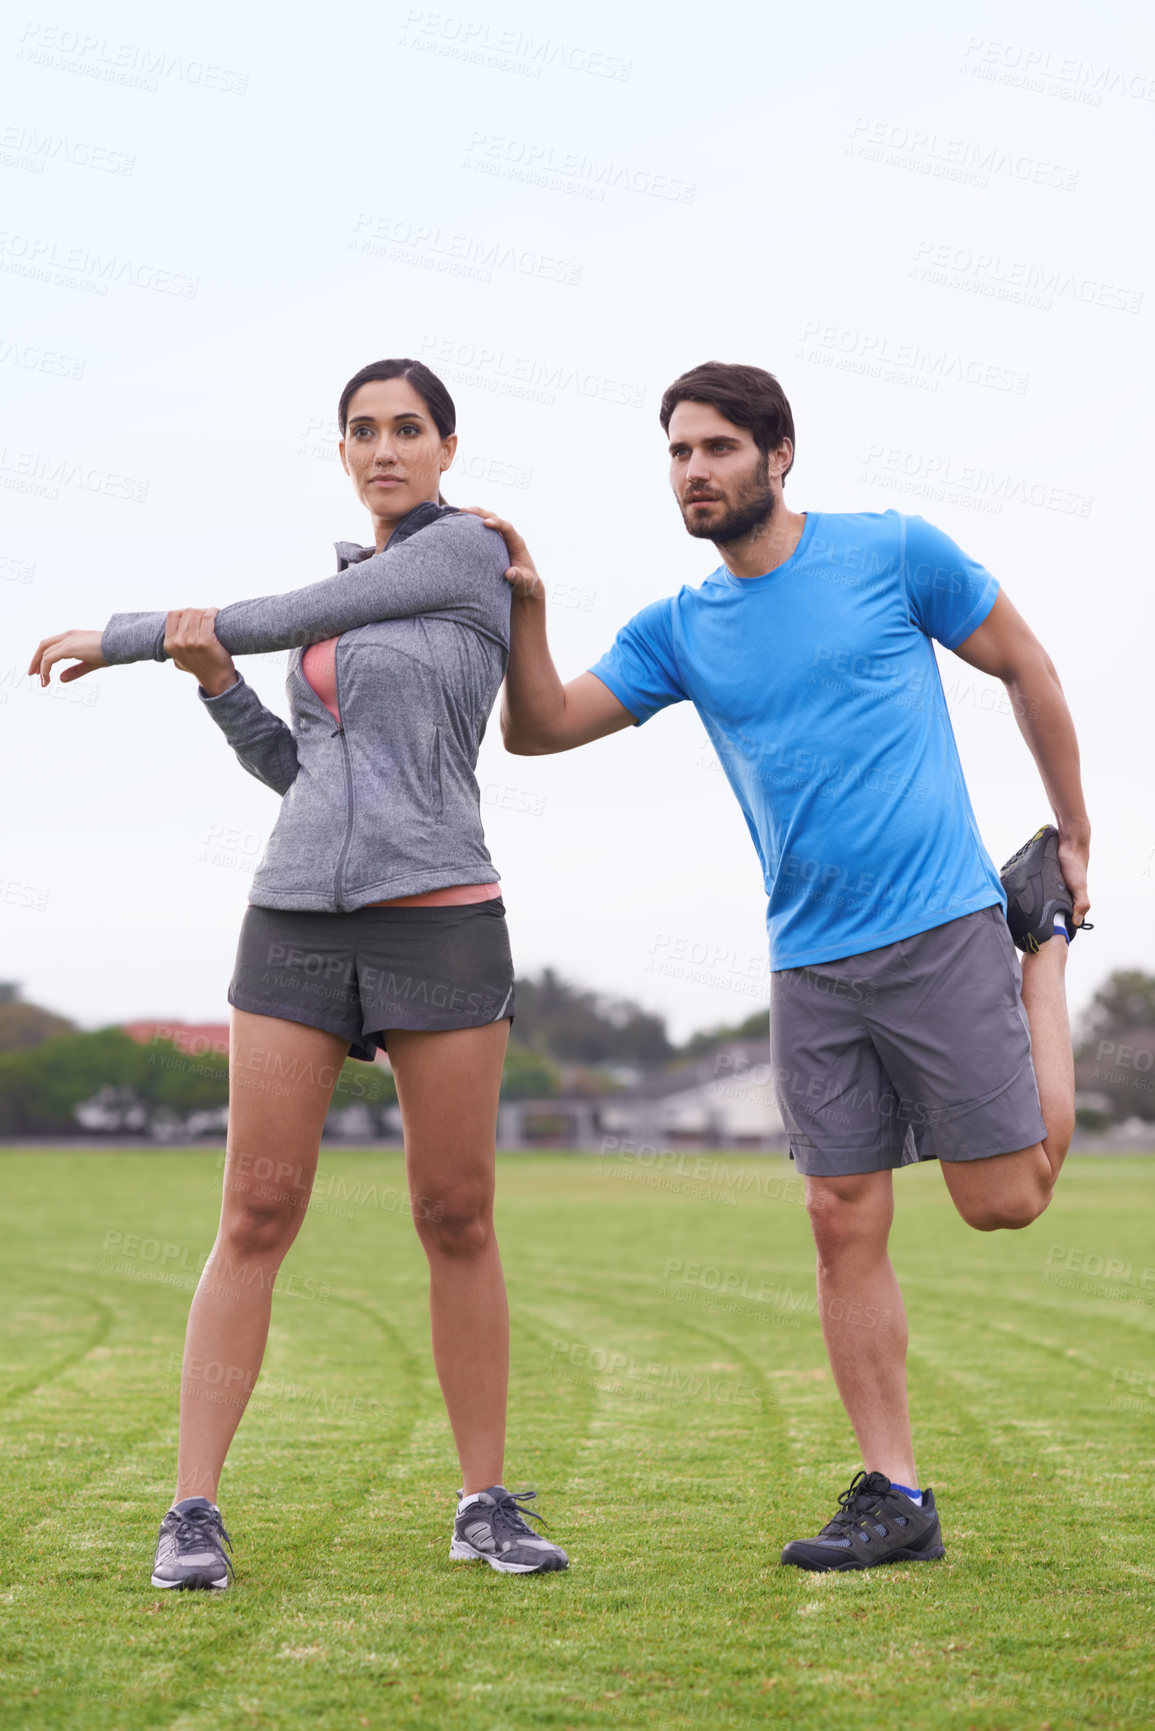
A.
pixel 929 227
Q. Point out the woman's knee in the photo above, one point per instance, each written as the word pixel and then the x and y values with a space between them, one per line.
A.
pixel 256 1229
pixel 454 1222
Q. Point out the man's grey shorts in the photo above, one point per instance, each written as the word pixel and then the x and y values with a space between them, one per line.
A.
pixel 916 1051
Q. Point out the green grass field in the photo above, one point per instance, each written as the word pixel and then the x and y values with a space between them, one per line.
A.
pixel 671 1403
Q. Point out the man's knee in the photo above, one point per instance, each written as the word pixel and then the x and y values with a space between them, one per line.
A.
pixel 844 1220
pixel 1060 1129
pixel 1003 1193
pixel 1009 1212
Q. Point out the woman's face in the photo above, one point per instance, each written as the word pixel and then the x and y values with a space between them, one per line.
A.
pixel 392 451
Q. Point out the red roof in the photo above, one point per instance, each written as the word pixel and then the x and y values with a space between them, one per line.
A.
pixel 194 1038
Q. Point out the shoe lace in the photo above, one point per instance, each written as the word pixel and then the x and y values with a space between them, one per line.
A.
pixel 1026 847
pixel 509 1514
pixel 191 1530
pixel 854 1507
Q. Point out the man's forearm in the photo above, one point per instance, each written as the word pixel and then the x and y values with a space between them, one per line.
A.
pixel 533 704
pixel 1045 723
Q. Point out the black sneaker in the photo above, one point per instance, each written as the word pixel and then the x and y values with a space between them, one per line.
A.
pixel 190 1549
pixel 493 1528
pixel 1036 892
pixel 875 1524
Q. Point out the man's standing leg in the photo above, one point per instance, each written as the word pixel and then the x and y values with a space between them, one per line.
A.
pixel 883 1516
pixel 863 1316
pixel 844 1118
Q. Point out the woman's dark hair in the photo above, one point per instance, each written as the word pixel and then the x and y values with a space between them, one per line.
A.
pixel 427 385
pixel 748 396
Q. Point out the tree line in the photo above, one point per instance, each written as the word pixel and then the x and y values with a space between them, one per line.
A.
pixel 58 1080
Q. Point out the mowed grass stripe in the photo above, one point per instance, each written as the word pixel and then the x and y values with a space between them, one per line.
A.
pixel 71 1426
pixel 707 1396
pixel 700 1386
pixel 290 1536
pixel 286 1540
pixel 30 1303
pixel 676 1612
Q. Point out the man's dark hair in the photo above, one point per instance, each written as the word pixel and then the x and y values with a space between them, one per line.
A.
pixel 427 385
pixel 748 396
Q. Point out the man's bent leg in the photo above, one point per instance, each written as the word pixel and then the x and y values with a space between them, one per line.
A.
pixel 1009 1191
pixel 863 1317
pixel 1044 994
pixel 1005 1192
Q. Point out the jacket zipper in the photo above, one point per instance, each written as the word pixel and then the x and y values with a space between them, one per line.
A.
pixel 339 731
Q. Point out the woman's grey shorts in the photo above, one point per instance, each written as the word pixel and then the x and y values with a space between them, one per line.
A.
pixel 916 1051
pixel 357 975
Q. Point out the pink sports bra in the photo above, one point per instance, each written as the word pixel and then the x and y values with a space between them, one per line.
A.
pixel 319 666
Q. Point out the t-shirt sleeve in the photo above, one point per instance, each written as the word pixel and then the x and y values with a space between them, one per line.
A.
pixel 949 594
pixel 641 668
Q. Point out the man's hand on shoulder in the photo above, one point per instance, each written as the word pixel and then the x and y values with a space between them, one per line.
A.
pixel 521 575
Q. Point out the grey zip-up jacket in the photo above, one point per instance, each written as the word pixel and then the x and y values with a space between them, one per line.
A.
pixel 387 804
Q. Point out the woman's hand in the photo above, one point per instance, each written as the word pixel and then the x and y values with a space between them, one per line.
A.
pixel 80 646
pixel 522 574
pixel 190 642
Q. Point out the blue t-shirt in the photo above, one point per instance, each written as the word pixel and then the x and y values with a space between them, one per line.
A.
pixel 819 689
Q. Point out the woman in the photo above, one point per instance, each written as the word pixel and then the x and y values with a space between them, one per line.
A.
pixel 375 916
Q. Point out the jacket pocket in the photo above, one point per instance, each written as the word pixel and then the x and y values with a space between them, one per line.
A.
pixel 435 797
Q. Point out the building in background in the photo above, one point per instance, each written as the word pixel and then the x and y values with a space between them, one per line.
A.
pixel 725 1100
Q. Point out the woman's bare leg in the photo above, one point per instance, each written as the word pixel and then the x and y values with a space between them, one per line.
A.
pixel 281 1080
pixel 447 1085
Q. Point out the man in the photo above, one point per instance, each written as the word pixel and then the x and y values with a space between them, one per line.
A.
pixel 900 1029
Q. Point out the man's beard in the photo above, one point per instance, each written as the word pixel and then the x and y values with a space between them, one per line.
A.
pixel 751 510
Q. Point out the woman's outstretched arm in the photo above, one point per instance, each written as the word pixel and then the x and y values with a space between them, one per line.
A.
pixel 454 565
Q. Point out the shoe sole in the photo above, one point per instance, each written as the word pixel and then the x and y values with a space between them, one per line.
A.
pixel 461 1551
pixel 927 1556
pixel 194 1581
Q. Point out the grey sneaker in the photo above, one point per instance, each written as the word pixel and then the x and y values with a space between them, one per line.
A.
pixel 1037 893
pixel 875 1524
pixel 492 1526
pixel 190 1550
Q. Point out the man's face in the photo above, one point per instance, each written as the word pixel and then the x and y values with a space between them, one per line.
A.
pixel 720 478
